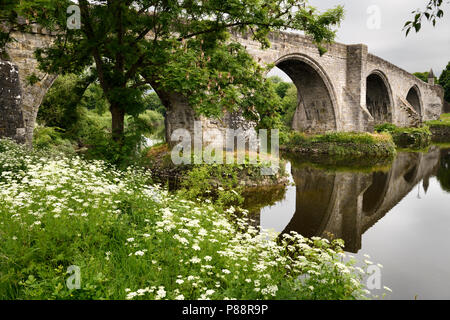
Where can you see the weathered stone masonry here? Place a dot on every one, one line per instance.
(21, 55)
(11, 117)
(346, 89)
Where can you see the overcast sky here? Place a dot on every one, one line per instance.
(430, 48)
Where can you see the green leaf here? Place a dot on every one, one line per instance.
(417, 27)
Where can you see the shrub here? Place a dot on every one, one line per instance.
(414, 138)
(218, 182)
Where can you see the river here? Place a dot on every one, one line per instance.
(397, 213)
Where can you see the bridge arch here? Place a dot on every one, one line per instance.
(379, 100)
(317, 110)
(414, 98)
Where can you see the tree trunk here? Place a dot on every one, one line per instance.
(118, 117)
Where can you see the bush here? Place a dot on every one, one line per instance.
(51, 138)
(413, 138)
(218, 182)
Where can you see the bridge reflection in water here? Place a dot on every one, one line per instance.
(341, 203)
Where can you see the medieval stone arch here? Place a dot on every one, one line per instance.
(317, 104)
(379, 99)
(414, 98)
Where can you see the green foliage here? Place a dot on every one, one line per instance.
(350, 144)
(289, 105)
(133, 240)
(51, 137)
(218, 182)
(93, 99)
(432, 13)
(77, 114)
(444, 81)
(386, 127)
(191, 52)
(287, 102)
(96, 135)
(412, 138)
(424, 76)
(281, 87)
(66, 103)
(56, 109)
(153, 102)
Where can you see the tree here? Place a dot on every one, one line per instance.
(290, 103)
(154, 103)
(424, 76)
(281, 87)
(57, 109)
(443, 174)
(180, 47)
(432, 13)
(287, 93)
(65, 103)
(444, 81)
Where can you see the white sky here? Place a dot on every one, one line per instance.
(430, 48)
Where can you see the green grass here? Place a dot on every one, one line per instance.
(341, 144)
(440, 128)
(132, 239)
(444, 121)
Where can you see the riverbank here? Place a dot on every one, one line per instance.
(158, 161)
(408, 137)
(440, 128)
(131, 239)
(341, 144)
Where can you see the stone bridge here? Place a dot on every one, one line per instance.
(346, 89)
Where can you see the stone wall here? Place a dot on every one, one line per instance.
(11, 117)
(21, 54)
(400, 83)
(440, 132)
(213, 132)
(344, 70)
(446, 107)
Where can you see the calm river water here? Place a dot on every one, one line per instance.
(397, 213)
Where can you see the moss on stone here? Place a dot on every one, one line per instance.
(407, 137)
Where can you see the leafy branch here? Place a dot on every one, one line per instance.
(432, 13)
